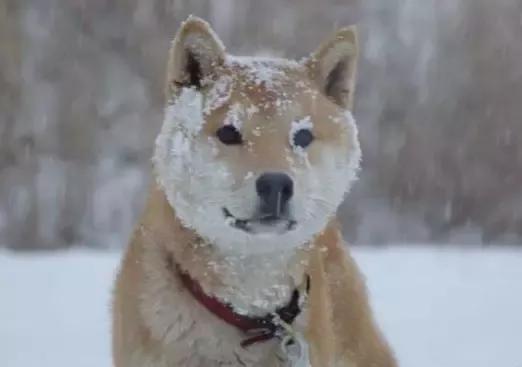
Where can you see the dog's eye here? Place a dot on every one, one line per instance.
(303, 138)
(229, 135)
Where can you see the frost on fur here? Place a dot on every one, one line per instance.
(218, 95)
(183, 121)
(234, 116)
(262, 71)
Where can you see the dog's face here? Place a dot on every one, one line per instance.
(256, 155)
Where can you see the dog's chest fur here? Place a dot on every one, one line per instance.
(191, 335)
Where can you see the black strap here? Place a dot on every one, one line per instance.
(266, 328)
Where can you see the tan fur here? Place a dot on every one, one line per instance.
(341, 330)
(157, 323)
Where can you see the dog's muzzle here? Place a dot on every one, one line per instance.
(274, 191)
(261, 224)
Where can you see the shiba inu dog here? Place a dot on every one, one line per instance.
(238, 259)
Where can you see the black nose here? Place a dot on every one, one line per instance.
(274, 190)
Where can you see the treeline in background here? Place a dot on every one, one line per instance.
(439, 105)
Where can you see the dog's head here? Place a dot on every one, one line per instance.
(256, 154)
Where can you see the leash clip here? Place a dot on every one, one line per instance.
(293, 347)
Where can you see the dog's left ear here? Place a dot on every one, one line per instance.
(196, 51)
(333, 66)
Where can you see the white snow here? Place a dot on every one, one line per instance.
(233, 116)
(265, 71)
(186, 111)
(54, 309)
(448, 308)
(218, 95)
(439, 307)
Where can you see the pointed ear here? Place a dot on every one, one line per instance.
(334, 65)
(196, 51)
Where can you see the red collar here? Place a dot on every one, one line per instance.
(258, 329)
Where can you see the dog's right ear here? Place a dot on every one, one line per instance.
(334, 64)
(196, 51)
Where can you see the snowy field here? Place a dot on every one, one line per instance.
(439, 308)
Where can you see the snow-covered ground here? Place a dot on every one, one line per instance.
(438, 307)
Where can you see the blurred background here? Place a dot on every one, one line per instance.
(438, 104)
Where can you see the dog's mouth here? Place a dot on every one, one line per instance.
(261, 224)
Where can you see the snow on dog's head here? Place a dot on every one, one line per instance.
(256, 154)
